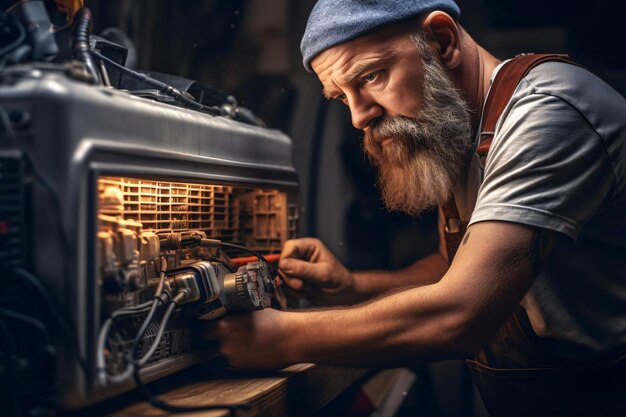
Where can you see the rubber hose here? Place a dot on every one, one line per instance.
(80, 44)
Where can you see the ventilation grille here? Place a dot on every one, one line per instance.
(256, 218)
(13, 233)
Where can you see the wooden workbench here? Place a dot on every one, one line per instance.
(300, 390)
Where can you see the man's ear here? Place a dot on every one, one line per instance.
(444, 37)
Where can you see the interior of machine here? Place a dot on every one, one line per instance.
(147, 226)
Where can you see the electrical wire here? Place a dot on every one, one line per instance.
(162, 87)
(31, 321)
(135, 364)
(149, 317)
(58, 318)
(225, 264)
(140, 363)
(46, 369)
(20, 38)
(246, 250)
(150, 306)
(80, 43)
(261, 258)
(180, 296)
(171, 408)
(104, 335)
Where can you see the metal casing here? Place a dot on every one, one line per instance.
(69, 134)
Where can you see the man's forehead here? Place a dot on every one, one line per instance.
(369, 47)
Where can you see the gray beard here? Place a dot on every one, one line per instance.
(419, 167)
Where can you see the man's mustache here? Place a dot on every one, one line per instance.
(404, 131)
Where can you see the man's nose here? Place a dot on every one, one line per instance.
(363, 110)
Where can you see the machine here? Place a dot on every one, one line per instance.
(129, 209)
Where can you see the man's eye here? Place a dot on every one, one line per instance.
(341, 97)
(371, 77)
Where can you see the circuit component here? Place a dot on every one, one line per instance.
(157, 240)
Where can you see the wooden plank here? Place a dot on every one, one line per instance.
(300, 390)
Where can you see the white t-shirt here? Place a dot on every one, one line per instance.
(558, 162)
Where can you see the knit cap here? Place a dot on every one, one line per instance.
(337, 21)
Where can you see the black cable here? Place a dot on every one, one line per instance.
(58, 318)
(80, 42)
(261, 258)
(46, 370)
(246, 250)
(226, 265)
(162, 87)
(155, 401)
(31, 321)
(20, 38)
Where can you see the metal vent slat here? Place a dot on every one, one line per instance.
(12, 211)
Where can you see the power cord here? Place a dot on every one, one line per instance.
(52, 308)
(156, 402)
(41, 394)
(246, 250)
(20, 37)
(162, 87)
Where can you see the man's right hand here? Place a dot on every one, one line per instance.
(307, 264)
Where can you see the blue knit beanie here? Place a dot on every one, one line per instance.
(337, 21)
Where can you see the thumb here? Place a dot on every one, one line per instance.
(313, 273)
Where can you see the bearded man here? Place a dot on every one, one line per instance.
(536, 293)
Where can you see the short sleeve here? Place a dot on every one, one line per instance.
(547, 167)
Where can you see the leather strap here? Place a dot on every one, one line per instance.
(502, 88)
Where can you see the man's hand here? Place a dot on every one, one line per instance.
(308, 263)
(253, 341)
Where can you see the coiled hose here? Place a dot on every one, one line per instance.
(80, 44)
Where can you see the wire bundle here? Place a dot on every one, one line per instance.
(135, 365)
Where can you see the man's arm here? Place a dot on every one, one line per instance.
(306, 264)
(492, 271)
(426, 271)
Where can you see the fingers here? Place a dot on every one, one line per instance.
(294, 283)
(303, 248)
(319, 274)
(295, 267)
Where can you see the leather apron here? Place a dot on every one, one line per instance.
(517, 377)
